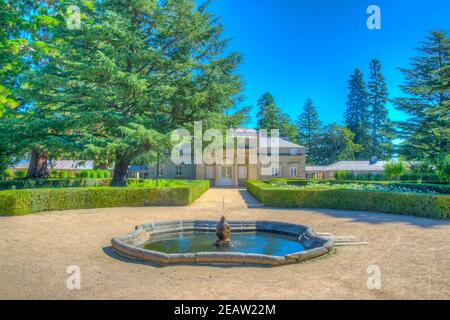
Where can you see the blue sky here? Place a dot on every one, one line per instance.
(297, 49)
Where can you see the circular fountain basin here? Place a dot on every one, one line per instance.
(252, 242)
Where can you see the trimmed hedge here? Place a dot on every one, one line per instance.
(415, 204)
(439, 188)
(22, 202)
(52, 183)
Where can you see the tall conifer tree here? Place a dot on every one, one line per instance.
(357, 113)
(309, 128)
(380, 144)
(135, 71)
(426, 132)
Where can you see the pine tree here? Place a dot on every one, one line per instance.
(309, 128)
(268, 116)
(357, 113)
(137, 70)
(24, 50)
(426, 132)
(288, 129)
(271, 117)
(381, 128)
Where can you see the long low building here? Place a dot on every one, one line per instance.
(351, 167)
(59, 165)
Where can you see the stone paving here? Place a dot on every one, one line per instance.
(412, 253)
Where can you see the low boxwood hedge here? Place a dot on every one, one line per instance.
(21, 202)
(19, 184)
(415, 204)
(439, 188)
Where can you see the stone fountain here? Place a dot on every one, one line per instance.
(223, 231)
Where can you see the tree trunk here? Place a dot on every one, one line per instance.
(38, 168)
(120, 175)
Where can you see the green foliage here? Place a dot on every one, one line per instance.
(271, 117)
(309, 129)
(84, 174)
(381, 130)
(395, 169)
(278, 181)
(341, 175)
(336, 144)
(52, 183)
(443, 168)
(411, 186)
(54, 174)
(21, 202)
(426, 132)
(137, 70)
(20, 174)
(63, 175)
(8, 173)
(357, 112)
(422, 168)
(422, 205)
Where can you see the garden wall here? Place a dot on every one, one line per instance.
(415, 204)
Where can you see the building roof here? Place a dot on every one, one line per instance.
(253, 134)
(364, 166)
(61, 164)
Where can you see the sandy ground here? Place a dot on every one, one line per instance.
(35, 251)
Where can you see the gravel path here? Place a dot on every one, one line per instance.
(35, 251)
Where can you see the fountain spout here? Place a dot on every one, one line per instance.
(223, 231)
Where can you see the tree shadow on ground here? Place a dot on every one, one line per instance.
(374, 217)
(250, 200)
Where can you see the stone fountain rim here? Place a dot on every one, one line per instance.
(128, 245)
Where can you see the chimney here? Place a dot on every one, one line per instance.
(373, 160)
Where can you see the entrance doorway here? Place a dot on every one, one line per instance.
(226, 176)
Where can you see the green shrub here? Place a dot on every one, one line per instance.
(341, 175)
(84, 174)
(92, 174)
(53, 183)
(395, 169)
(63, 175)
(422, 205)
(105, 174)
(54, 174)
(278, 181)
(443, 168)
(423, 187)
(21, 174)
(23, 202)
(71, 175)
(8, 174)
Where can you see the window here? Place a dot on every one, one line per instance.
(179, 171)
(275, 171)
(294, 152)
(161, 172)
(209, 172)
(293, 171)
(242, 170)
